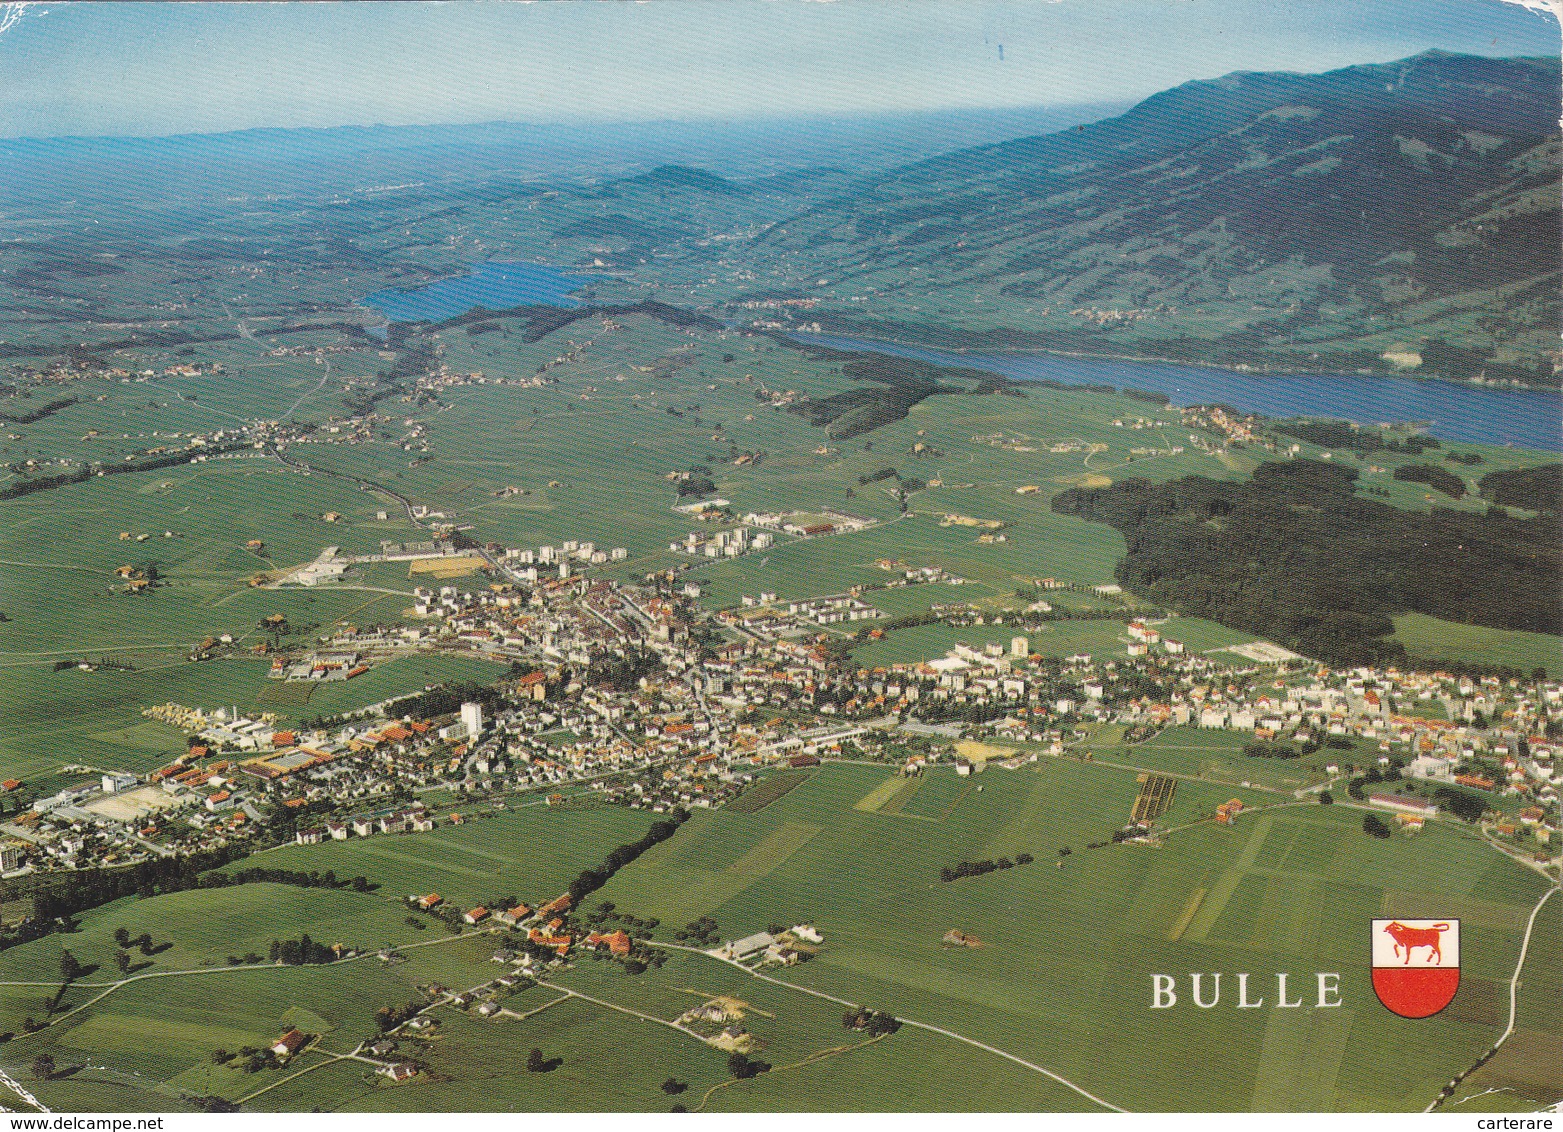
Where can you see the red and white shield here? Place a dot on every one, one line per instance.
(1416, 965)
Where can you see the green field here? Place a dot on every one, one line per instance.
(565, 445)
(532, 851)
(1290, 890)
(205, 926)
(1435, 639)
(763, 793)
(1061, 979)
(1069, 941)
(1217, 756)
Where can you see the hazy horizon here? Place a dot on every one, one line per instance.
(162, 69)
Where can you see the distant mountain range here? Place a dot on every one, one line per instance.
(1407, 209)
(1397, 216)
(318, 162)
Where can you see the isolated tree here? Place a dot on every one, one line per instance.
(122, 937)
(122, 961)
(672, 1086)
(43, 1067)
(535, 1062)
(69, 967)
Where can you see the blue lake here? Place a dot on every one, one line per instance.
(494, 286)
(1524, 418)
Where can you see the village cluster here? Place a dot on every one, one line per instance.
(629, 693)
(633, 694)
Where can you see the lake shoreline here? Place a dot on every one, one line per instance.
(494, 283)
(1237, 368)
(1455, 411)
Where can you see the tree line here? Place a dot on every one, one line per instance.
(1270, 750)
(591, 879)
(68, 894)
(980, 868)
(1344, 434)
(299, 952)
(445, 700)
(85, 472)
(257, 875)
(1439, 479)
(47, 409)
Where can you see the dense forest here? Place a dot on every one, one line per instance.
(1439, 479)
(1344, 434)
(1295, 556)
(1535, 489)
(20, 487)
(900, 383)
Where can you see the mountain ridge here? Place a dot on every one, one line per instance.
(1266, 217)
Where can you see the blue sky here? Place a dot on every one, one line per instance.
(127, 68)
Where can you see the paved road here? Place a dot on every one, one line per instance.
(1514, 982)
(370, 484)
(621, 1009)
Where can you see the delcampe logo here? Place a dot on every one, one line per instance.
(1416, 965)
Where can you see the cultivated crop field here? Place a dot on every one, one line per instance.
(1288, 889)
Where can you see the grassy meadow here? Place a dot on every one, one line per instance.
(1290, 888)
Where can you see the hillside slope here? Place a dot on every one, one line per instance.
(1408, 208)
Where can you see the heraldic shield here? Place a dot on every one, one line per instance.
(1416, 965)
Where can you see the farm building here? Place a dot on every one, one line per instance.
(1403, 804)
(749, 946)
(289, 1043)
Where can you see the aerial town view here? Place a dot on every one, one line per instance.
(881, 556)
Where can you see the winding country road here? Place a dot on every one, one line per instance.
(906, 1022)
(1514, 986)
(300, 465)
